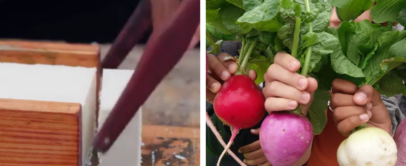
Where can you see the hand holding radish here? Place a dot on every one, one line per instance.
(221, 68)
(253, 153)
(354, 106)
(284, 88)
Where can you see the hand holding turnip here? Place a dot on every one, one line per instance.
(253, 152)
(355, 106)
(221, 68)
(286, 137)
(352, 107)
(284, 88)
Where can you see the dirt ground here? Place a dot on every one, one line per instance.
(175, 102)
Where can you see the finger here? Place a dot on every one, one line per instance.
(347, 125)
(287, 61)
(279, 104)
(212, 84)
(367, 94)
(257, 161)
(252, 74)
(217, 68)
(250, 147)
(230, 65)
(278, 89)
(340, 100)
(277, 72)
(312, 85)
(265, 164)
(341, 113)
(343, 86)
(255, 131)
(254, 155)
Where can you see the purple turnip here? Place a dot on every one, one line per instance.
(285, 137)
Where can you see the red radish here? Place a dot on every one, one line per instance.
(285, 137)
(239, 104)
(400, 139)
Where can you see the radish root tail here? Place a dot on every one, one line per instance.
(218, 136)
(230, 142)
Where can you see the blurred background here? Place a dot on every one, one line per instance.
(171, 114)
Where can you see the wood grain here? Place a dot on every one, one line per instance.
(51, 53)
(39, 133)
(168, 145)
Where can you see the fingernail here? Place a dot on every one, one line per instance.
(225, 75)
(302, 82)
(292, 104)
(214, 86)
(369, 113)
(360, 96)
(252, 130)
(364, 117)
(294, 64)
(232, 67)
(369, 106)
(305, 96)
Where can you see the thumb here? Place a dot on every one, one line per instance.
(255, 131)
(367, 94)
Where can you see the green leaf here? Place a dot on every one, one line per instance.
(387, 10)
(237, 3)
(402, 17)
(339, 3)
(332, 30)
(267, 37)
(215, 4)
(264, 12)
(309, 39)
(251, 4)
(352, 10)
(352, 35)
(213, 18)
(326, 45)
(391, 84)
(229, 15)
(317, 111)
(272, 25)
(373, 70)
(342, 65)
(260, 69)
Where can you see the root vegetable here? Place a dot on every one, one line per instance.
(285, 137)
(400, 139)
(369, 146)
(239, 104)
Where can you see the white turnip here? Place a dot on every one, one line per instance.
(369, 146)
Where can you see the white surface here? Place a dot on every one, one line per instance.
(54, 83)
(126, 151)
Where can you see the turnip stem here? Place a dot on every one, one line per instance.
(308, 54)
(296, 37)
(218, 136)
(233, 134)
(242, 51)
(247, 56)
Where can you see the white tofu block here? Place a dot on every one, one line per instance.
(126, 151)
(55, 83)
